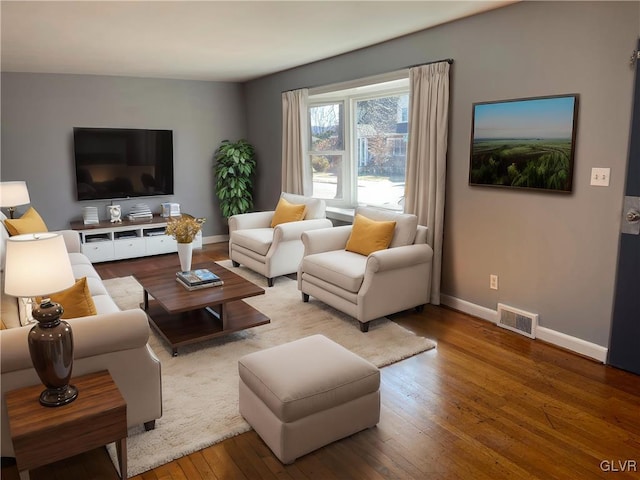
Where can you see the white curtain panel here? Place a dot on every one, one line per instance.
(294, 133)
(427, 157)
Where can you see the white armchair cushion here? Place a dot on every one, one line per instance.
(340, 267)
(286, 232)
(406, 224)
(398, 258)
(245, 221)
(326, 239)
(257, 240)
(316, 208)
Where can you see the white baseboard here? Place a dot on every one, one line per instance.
(469, 308)
(553, 337)
(215, 239)
(577, 345)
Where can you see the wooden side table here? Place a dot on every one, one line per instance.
(43, 435)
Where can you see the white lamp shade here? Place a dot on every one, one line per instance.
(37, 265)
(13, 194)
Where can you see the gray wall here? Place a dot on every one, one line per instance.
(555, 254)
(40, 111)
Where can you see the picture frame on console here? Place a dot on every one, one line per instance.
(526, 143)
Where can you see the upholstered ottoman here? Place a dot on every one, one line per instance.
(305, 394)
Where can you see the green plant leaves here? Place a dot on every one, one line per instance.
(235, 165)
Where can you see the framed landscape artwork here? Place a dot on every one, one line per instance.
(525, 143)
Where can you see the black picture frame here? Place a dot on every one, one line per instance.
(525, 143)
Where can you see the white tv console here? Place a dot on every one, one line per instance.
(106, 241)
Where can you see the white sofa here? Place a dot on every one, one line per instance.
(368, 287)
(277, 251)
(112, 340)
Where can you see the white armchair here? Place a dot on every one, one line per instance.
(368, 287)
(273, 251)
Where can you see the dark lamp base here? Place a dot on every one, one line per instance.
(55, 397)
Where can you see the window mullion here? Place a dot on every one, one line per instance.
(353, 154)
(381, 135)
(325, 152)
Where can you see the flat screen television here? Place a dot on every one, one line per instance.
(115, 163)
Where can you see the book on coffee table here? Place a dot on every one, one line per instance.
(199, 277)
(198, 287)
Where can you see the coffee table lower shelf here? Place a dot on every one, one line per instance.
(185, 328)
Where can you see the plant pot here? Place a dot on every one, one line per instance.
(185, 252)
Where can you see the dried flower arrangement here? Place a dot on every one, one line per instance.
(184, 228)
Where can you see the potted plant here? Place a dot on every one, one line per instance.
(235, 164)
(184, 229)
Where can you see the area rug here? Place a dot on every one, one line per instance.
(200, 385)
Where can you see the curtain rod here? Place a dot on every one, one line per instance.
(448, 60)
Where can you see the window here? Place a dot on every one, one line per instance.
(326, 122)
(358, 145)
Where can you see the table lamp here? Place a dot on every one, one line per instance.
(13, 194)
(37, 265)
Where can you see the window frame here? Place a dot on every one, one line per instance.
(349, 97)
(343, 153)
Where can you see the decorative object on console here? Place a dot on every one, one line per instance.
(90, 215)
(235, 163)
(184, 229)
(140, 211)
(526, 143)
(38, 265)
(170, 209)
(13, 194)
(115, 213)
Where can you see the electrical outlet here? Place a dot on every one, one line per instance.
(600, 176)
(493, 282)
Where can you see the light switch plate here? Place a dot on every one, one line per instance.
(600, 176)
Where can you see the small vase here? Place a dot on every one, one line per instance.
(185, 251)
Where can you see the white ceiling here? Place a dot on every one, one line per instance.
(205, 40)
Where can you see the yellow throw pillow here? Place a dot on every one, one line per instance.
(288, 212)
(30, 222)
(76, 300)
(368, 236)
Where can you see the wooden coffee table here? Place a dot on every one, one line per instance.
(183, 317)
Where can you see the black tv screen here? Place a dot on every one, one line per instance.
(122, 162)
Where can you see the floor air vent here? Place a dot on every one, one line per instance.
(517, 320)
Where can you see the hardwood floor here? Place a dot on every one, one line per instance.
(485, 404)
